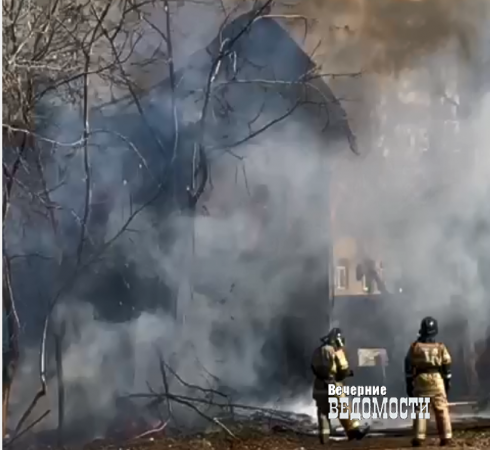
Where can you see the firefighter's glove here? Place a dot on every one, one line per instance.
(409, 386)
(447, 384)
(343, 374)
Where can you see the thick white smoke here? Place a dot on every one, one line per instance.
(235, 271)
(418, 197)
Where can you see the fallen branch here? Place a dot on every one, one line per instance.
(32, 425)
(204, 416)
(193, 386)
(154, 430)
(186, 398)
(215, 420)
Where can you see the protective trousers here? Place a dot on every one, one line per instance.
(438, 404)
(324, 424)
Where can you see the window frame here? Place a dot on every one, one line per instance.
(342, 266)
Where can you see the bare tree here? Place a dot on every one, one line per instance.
(54, 53)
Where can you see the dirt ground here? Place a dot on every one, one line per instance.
(478, 439)
(470, 433)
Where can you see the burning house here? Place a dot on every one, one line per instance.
(265, 78)
(256, 75)
(249, 91)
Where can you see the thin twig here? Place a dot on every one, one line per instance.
(200, 413)
(86, 134)
(171, 68)
(165, 381)
(61, 385)
(11, 358)
(224, 52)
(193, 386)
(261, 129)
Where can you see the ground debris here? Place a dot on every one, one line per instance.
(253, 439)
(276, 430)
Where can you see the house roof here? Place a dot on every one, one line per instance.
(262, 60)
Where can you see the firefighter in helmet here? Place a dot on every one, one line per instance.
(330, 366)
(428, 374)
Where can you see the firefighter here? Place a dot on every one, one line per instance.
(330, 366)
(428, 374)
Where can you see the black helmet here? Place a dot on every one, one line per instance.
(428, 327)
(334, 337)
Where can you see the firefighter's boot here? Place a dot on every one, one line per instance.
(358, 433)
